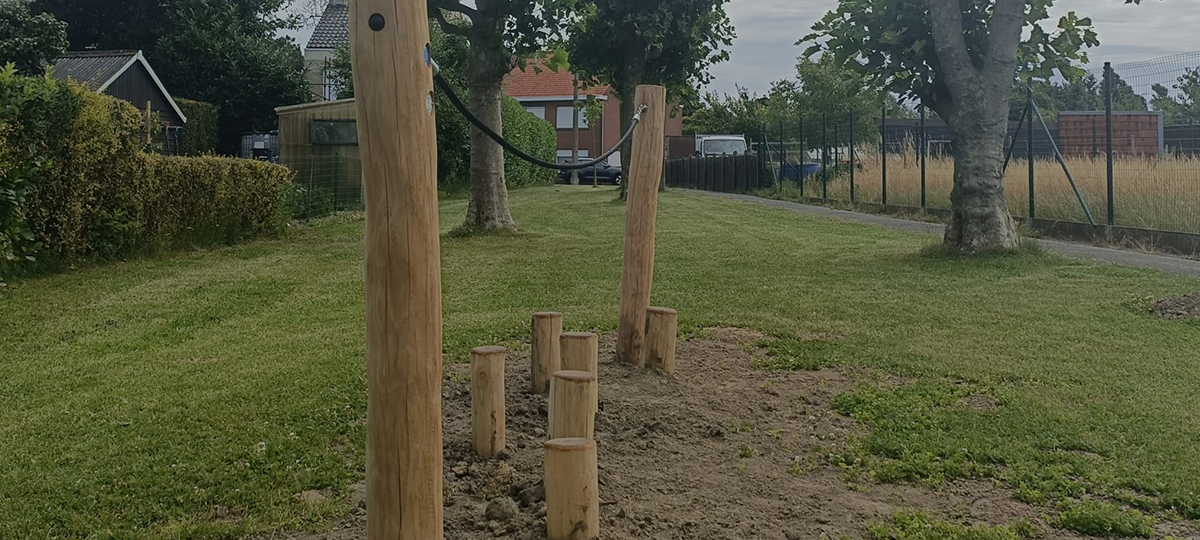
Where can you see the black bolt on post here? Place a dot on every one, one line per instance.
(1029, 148)
(1108, 135)
(851, 155)
(883, 150)
(824, 156)
(922, 153)
(803, 155)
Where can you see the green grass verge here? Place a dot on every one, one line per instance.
(922, 526)
(192, 396)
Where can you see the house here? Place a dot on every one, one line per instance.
(128, 76)
(332, 31)
(548, 94)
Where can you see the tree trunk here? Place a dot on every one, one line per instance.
(488, 207)
(628, 109)
(980, 220)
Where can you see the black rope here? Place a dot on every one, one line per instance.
(458, 104)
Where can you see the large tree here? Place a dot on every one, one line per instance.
(960, 58)
(502, 35)
(29, 40)
(626, 43)
(1183, 105)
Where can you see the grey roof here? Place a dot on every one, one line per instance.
(334, 27)
(92, 69)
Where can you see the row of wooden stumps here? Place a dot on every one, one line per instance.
(393, 78)
(567, 366)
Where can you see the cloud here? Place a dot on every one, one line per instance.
(767, 30)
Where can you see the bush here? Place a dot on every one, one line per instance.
(86, 189)
(533, 135)
(199, 136)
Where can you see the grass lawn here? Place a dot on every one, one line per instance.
(193, 396)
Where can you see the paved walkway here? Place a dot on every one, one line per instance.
(1135, 259)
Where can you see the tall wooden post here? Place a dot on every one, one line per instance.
(487, 400)
(393, 78)
(544, 352)
(662, 327)
(640, 210)
(572, 490)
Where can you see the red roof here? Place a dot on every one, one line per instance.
(537, 81)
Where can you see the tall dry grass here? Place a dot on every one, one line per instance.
(1150, 192)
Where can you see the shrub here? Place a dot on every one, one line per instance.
(533, 135)
(77, 184)
(199, 136)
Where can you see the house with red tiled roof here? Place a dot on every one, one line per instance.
(548, 95)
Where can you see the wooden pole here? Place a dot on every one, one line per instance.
(487, 400)
(572, 490)
(645, 172)
(662, 326)
(545, 355)
(149, 117)
(581, 352)
(572, 405)
(393, 78)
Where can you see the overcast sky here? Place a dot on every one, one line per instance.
(767, 31)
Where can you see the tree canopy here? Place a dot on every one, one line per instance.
(30, 40)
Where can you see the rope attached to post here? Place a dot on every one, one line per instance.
(458, 104)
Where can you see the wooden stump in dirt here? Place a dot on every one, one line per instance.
(572, 490)
(662, 326)
(581, 352)
(572, 411)
(645, 173)
(544, 355)
(487, 400)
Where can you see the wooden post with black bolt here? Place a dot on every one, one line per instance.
(487, 400)
(572, 411)
(662, 326)
(544, 352)
(393, 79)
(645, 173)
(572, 490)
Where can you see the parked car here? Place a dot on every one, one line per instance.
(603, 173)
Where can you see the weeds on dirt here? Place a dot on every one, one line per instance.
(922, 526)
(1099, 518)
(790, 354)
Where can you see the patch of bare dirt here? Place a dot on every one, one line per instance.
(1178, 308)
(717, 451)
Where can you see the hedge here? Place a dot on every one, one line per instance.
(199, 136)
(99, 195)
(533, 135)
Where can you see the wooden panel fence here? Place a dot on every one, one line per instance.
(729, 174)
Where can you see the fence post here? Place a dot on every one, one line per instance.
(782, 151)
(803, 154)
(1029, 150)
(851, 155)
(1095, 140)
(824, 156)
(337, 180)
(1192, 131)
(308, 195)
(921, 152)
(1108, 134)
(883, 150)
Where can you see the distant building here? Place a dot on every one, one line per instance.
(333, 31)
(548, 94)
(128, 76)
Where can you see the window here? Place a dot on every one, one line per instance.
(564, 118)
(564, 156)
(334, 132)
(539, 112)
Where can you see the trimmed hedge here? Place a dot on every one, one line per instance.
(533, 135)
(199, 136)
(100, 195)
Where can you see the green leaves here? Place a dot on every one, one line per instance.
(28, 40)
